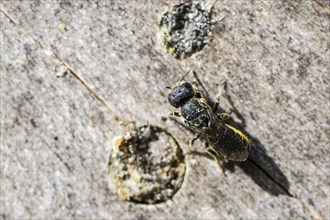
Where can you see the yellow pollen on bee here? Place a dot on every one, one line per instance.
(171, 50)
(202, 100)
(168, 38)
(118, 142)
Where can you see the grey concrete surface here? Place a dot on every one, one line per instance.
(69, 67)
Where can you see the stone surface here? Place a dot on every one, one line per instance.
(68, 68)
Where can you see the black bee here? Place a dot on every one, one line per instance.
(221, 138)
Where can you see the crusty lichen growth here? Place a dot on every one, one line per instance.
(186, 28)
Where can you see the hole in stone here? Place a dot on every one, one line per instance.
(146, 166)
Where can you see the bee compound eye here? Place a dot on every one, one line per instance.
(172, 98)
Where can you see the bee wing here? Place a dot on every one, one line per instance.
(228, 141)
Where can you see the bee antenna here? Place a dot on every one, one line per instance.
(181, 79)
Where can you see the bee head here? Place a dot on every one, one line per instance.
(181, 94)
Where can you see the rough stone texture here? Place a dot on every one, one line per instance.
(67, 67)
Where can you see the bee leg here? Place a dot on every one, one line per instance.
(224, 116)
(131, 125)
(191, 148)
(221, 116)
(177, 114)
(216, 156)
(216, 105)
(198, 94)
(193, 140)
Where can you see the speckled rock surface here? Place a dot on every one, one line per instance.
(67, 68)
